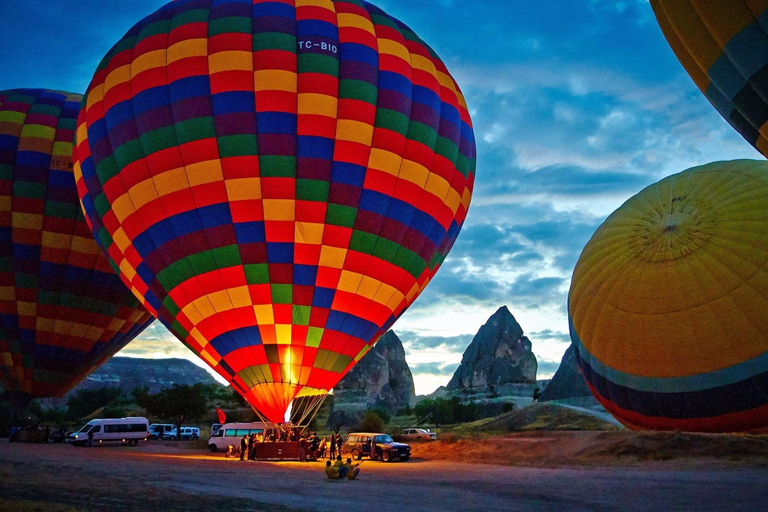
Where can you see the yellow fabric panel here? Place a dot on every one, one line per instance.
(56, 240)
(283, 332)
(13, 117)
(383, 160)
(413, 172)
(452, 200)
(232, 60)
(354, 131)
(680, 269)
(349, 281)
(725, 18)
(437, 185)
(121, 239)
(169, 182)
(264, 314)
(332, 257)
(275, 80)
(204, 172)
(95, 95)
(279, 209)
(240, 296)
(307, 391)
(142, 193)
(390, 47)
(26, 308)
(355, 21)
(368, 287)
(317, 104)
(242, 189)
(117, 77)
(5, 203)
(424, 64)
(325, 4)
(7, 293)
(187, 48)
(38, 131)
(129, 272)
(387, 295)
(27, 221)
(220, 300)
(309, 233)
(84, 245)
(149, 60)
(63, 150)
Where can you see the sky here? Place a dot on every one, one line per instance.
(577, 105)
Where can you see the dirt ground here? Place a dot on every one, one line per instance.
(590, 475)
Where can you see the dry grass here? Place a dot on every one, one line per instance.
(607, 448)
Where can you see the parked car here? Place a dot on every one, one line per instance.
(358, 445)
(186, 433)
(160, 430)
(418, 434)
(128, 431)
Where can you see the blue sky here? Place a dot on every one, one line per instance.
(577, 105)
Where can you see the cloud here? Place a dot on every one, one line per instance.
(435, 369)
(547, 368)
(414, 341)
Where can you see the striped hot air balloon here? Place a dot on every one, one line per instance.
(276, 181)
(669, 303)
(723, 45)
(63, 310)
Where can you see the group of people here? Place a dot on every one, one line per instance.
(340, 470)
(310, 447)
(248, 446)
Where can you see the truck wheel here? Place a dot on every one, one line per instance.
(356, 455)
(385, 457)
(213, 448)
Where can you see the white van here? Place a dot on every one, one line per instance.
(121, 430)
(186, 433)
(231, 433)
(156, 429)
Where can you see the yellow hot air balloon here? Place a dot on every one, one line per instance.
(668, 305)
(723, 46)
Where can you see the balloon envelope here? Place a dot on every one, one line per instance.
(669, 303)
(63, 310)
(276, 181)
(723, 46)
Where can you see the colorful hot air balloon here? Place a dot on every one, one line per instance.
(277, 181)
(724, 47)
(669, 303)
(63, 310)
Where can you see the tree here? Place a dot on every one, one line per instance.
(371, 422)
(86, 401)
(177, 404)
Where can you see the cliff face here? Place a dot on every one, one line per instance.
(499, 355)
(567, 381)
(381, 379)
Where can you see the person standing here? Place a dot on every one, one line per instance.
(374, 455)
(333, 447)
(338, 445)
(302, 450)
(323, 447)
(243, 446)
(252, 447)
(90, 437)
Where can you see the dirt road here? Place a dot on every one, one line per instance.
(156, 476)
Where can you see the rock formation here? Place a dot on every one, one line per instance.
(381, 379)
(499, 356)
(567, 381)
